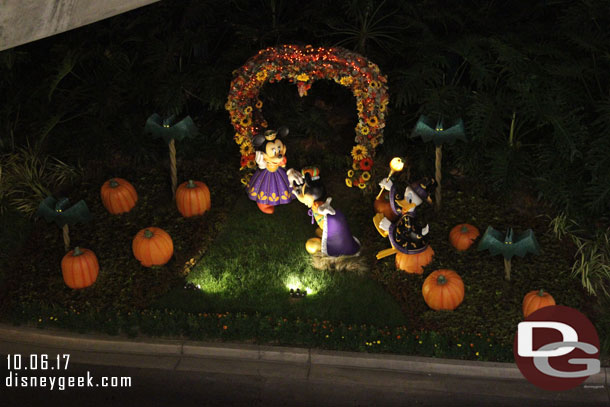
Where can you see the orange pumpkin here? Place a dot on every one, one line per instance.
(463, 236)
(414, 263)
(382, 205)
(118, 196)
(193, 198)
(443, 290)
(79, 268)
(536, 299)
(152, 247)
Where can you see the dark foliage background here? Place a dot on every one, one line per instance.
(86, 93)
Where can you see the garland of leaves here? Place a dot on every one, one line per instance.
(303, 66)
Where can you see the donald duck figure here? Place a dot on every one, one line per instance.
(406, 235)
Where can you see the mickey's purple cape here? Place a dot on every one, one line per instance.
(337, 240)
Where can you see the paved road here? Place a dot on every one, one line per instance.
(179, 388)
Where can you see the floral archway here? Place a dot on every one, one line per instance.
(303, 66)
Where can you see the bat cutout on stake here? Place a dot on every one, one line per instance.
(437, 132)
(509, 245)
(60, 212)
(429, 131)
(170, 132)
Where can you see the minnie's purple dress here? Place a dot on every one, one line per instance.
(270, 188)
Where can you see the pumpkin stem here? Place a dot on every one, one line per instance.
(191, 184)
(112, 183)
(541, 293)
(441, 279)
(148, 234)
(77, 251)
(464, 229)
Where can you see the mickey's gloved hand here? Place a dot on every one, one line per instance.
(294, 177)
(326, 209)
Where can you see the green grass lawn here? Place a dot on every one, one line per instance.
(257, 257)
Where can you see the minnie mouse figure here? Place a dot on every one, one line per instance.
(271, 183)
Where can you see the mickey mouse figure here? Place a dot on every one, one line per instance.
(335, 237)
(406, 235)
(270, 185)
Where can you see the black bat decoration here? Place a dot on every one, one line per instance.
(167, 130)
(507, 244)
(431, 131)
(60, 211)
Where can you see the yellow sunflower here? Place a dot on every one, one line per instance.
(348, 182)
(382, 108)
(259, 104)
(362, 185)
(365, 130)
(359, 152)
(246, 148)
(346, 80)
(375, 85)
(248, 110)
(261, 75)
(360, 106)
(303, 77)
(355, 166)
(374, 142)
(229, 106)
(238, 138)
(246, 121)
(372, 121)
(350, 173)
(366, 175)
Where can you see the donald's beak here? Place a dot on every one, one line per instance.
(405, 205)
(429, 200)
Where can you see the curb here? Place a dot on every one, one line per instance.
(378, 370)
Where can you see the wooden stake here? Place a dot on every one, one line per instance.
(172, 166)
(438, 176)
(507, 269)
(66, 233)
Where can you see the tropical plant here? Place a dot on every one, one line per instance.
(27, 176)
(592, 257)
(366, 23)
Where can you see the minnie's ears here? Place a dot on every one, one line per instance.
(258, 140)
